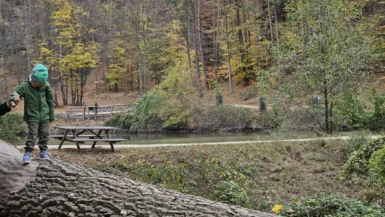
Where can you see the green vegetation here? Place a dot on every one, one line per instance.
(12, 127)
(255, 176)
(327, 55)
(358, 161)
(330, 205)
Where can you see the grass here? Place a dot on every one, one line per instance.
(269, 173)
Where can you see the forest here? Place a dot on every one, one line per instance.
(297, 49)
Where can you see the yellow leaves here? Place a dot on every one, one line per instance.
(118, 56)
(47, 56)
(64, 20)
(80, 57)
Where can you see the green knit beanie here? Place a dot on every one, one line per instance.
(39, 74)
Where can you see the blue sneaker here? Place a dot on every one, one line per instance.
(27, 157)
(44, 154)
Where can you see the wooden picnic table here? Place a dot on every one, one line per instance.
(77, 134)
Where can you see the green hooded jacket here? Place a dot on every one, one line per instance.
(38, 102)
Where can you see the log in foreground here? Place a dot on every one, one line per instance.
(59, 188)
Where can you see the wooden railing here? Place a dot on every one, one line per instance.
(104, 111)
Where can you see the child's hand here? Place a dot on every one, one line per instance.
(14, 99)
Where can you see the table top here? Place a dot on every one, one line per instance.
(85, 128)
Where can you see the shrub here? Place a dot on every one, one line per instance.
(122, 120)
(376, 177)
(300, 119)
(229, 191)
(329, 206)
(377, 164)
(12, 127)
(144, 117)
(251, 93)
(359, 160)
(377, 119)
(356, 115)
(353, 112)
(203, 176)
(225, 117)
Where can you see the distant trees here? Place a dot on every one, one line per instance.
(129, 45)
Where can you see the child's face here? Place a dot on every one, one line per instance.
(36, 84)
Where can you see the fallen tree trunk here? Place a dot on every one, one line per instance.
(53, 188)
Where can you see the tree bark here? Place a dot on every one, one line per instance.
(56, 188)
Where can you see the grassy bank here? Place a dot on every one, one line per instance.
(254, 176)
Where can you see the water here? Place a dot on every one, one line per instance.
(182, 138)
(185, 138)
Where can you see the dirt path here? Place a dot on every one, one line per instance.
(103, 145)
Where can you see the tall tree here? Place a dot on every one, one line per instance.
(202, 45)
(195, 38)
(328, 54)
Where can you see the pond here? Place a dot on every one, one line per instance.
(185, 138)
(182, 138)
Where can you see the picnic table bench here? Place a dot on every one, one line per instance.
(76, 134)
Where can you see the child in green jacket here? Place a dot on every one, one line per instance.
(38, 110)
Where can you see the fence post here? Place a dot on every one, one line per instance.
(262, 104)
(84, 113)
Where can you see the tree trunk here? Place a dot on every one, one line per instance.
(228, 49)
(188, 41)
(326, 103)
(201, 43)
(270, 22)
(73, 94)
(276, 24)
(55, 188)
(145, 40)
(28, 36)
(215, 38)
(198, 73)
(240, 34)
(96, 83)
(63, 81)
(139, 53)
(331, 118)
(56, 101)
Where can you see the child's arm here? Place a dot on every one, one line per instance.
(50, 103)
(21, 90)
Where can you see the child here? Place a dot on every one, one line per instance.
(38, 110)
